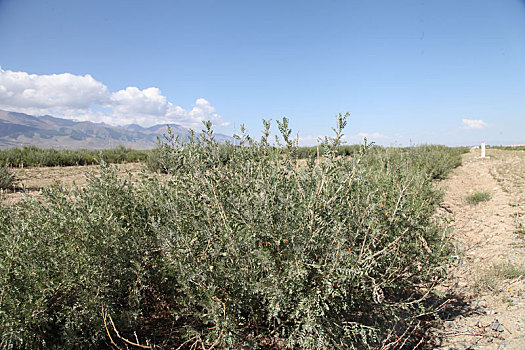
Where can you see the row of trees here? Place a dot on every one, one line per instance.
(34, 156)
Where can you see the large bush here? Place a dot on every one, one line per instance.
(255, 250)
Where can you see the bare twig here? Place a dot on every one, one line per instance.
(388, 246)
(105, 315)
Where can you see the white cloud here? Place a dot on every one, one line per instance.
(133, 102)
(374, 135)
(55, 91)
(474, 124)
(84, 98)
(310, 140)
(202, 110)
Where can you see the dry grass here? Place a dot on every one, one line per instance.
(510, 175)
(493, 277)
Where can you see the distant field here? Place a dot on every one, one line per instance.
(34, 156)
(509, 148)
(32, 180)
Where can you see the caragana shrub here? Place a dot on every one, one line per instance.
(254, 249)
(67, 258)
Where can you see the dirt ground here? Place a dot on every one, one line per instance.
(487, 278)
(29, 181)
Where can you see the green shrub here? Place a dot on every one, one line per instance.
(34, 156)
(68, 256)
(509, 148)
(159, 158)
(6, 177)
(478, 197)
(308, 152)
(435, 160)
(248, 249)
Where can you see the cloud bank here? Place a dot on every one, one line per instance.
(84, 98)
(474, 124)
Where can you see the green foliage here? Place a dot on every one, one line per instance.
(235, 246)
(435, 160)
(478, 197)
(6, 177)
(66, 258)
(308, 152)
(509, 148)
(34, 156)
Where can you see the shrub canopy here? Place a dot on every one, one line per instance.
(258, 249)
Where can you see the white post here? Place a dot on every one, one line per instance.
(483, 149)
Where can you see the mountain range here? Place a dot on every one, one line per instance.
(19, 129)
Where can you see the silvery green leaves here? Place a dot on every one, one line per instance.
(297, 248)
(233, 245)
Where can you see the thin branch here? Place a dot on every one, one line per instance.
(106, 314)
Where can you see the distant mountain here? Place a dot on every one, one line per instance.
(19, 129)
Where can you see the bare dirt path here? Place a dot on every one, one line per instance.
(488, 275)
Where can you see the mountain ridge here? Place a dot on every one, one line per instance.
(20, 129)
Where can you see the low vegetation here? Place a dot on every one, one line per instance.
(478, 197)
(244, 248)
(510, 148)
(34, 156)
(510, 174)
(492, 277)
(6, 177)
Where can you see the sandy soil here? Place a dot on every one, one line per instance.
(29, 181)
(487, 278)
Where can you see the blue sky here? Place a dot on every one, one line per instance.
(447, 72)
